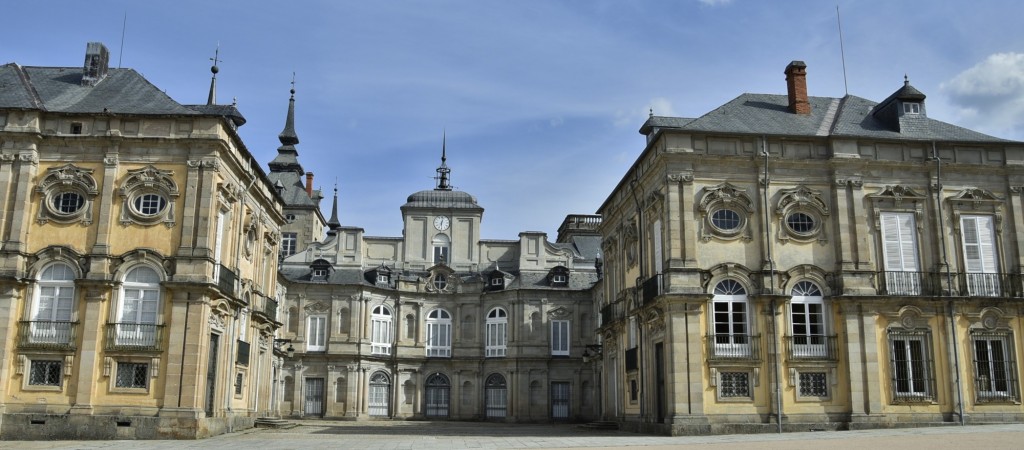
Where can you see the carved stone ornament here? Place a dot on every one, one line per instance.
(67, 195)
(317, 307)
(148, 196)
(560, 312)
(801, 212)
(631, 241)
(897, 195)
(681, 177)
(442, 280)
(216, 321)
(7, 158)
(725, 211)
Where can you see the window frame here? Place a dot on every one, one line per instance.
(900, 252)
(987, 389)
(381, 330)
(806, 295)
(144, 367)
(561, 337)
(316, 333)
(496, 333)
(142, 330)
(439, 334)
(737, 339)
(917, 377)
(48, 365)
(982, 272)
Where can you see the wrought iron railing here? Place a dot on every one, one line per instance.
(242, 358)
(226, 280)
(734, 347)
(134, 336)
(813, 347)
(613, 312)
(651, 288)
(270, 308)
(47, 334)
(907, 283)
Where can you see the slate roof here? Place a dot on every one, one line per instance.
(442, 199)
(294, 192)
(849, 116)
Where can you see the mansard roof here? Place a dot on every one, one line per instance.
(849, 116)
(437, 198)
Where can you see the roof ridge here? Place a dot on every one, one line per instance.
(26, 82)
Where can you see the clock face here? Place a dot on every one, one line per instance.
(442, 223)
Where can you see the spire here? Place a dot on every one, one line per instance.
(443, 171)
(288, 136)
(212, 99)
(334, 224)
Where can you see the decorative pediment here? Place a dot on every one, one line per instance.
(68, 194)
(976, 200)
(725, 195)
(442, 280)
(898, 194)
(801, 197)
(560, 312)
(317, 307)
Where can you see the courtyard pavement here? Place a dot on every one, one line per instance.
(458, 435)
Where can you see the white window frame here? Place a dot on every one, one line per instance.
(496, 330)
(900, 253)
(995, 369)
(911, 108)
(981, 260)
(917, 378)
(729, 301)
(560, 338)
(316, 333)
(442, 249)
(138, 316)
(289, 243)
(53, 305)
(439, 334)
(381, 329)
(807, 311)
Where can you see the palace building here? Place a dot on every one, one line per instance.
(790, 262)
(138, 259)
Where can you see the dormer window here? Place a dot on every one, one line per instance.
(382, 278)
(497, 282)
(911, 108)
(559, 276)
(559, 279)
(320, 270)
(76, 127)
(319, 273)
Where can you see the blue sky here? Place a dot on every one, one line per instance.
(541, 100)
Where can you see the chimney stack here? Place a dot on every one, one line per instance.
(309, 184)
(796, 85)
(97, 61)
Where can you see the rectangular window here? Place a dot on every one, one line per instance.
(911, 359)
(813, 384)
(631, 337)
(132, 375)
(994, 366)
(808, 321)
(45, 373)
(559, 279)
(316, 332)
(289, 242)
(912, 108)
(731, 338)
(440, 254)
(238, 383)
(734, 384)
(439, 342)
(980, 262)
(560, 337)
(496, 332)
(380, 336)
(76, 127)
(899, 249)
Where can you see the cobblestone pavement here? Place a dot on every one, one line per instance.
(458, 435)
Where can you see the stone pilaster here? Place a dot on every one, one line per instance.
(27, 168)
(87, 364)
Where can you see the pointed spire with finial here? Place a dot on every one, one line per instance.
(906, 80)
(443, 184)
(334, 224)
(287, 156)
(212, 98)
(288, 136)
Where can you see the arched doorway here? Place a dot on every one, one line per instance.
(380, 395)
(496, 397)
(438, 396)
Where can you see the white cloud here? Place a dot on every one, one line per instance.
(659, 106)
(990, 95)
(716, 2)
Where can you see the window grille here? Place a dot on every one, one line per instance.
(45, 373)
(132, 375)
(813, 384)
(734, 384)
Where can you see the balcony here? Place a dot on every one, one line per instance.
(134, 336)
(651, 289)
(613, 312)
(733, 347)
(242, 358)
(47, 335)
(811, 348)
(907, 283)
(982, 284)
(226, 280)
(270, 308)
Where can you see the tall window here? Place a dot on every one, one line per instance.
(441, 245)
(380, 395)
(732, 338)
(808, 321)
(439, 333)
(438, 395)
(911, 361)
(899, 248)
(140, 304)
(380, 331)
(55, 299)
(980, 262)
(316, 333)
(496, 331)
(560, 337)
(288, 243)
(994, 366)
(496, 397)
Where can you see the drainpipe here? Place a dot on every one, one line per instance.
(771, 284)
(949, 285)
(637, 294)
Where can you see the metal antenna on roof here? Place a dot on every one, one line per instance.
(124, 25)
(842, 51)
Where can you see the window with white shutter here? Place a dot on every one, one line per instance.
(899, 248)
(980, 263)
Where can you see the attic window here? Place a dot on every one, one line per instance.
(912, 108)
(558, 279)
(76, 127)
(319, 273)
(382, 278)
(497, 281)
(559, 276)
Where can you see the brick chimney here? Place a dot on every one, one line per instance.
(97, 61)
(796, 85)
(309, 184)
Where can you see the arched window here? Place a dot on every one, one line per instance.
(807, 321)
(53, 305)
(441, 245)
(380, 331)
(439, 334)
(496, 397)
(380, 395)
(438, 395)
(497, 332)
(730, 322)
(140, 306)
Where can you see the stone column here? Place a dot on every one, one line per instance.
(685, 361)
(104, 219)
(10, 295)
(89, 320)
(6, 184)
(862, 356)
(1017, 213)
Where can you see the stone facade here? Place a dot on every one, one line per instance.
(138, 261)
(793, 262)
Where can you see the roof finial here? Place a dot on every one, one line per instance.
(650, 112)
(212, 98)
(293, 85)
(443, 171)
(906, 80)
(288, 136)
(334, 224)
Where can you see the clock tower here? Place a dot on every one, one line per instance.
(442, 225)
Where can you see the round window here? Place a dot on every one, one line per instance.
(800, 223)
(68, 202)
(150, 204)
(726, 220)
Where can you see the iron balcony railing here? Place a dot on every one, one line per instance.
(813, 347)
(734, 347)
(270, 308)
(989, 284)
(907, 283)
(47, 334)
(613, 312)
(651, 288)
(242, 358)
(226, 280)
(134, 336)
